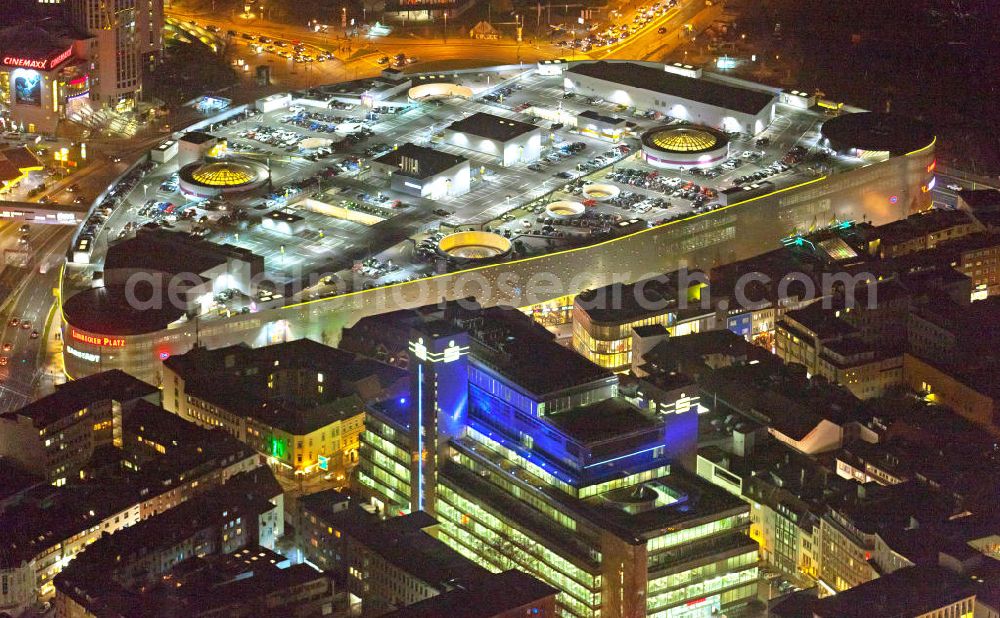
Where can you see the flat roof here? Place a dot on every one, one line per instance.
(593, 115)
(601, 421)
(823, 322)
(430, 162)
(197, 137)
(528, 355)
(492, 127)
(107, 311)
(878, 132)
(620, 303)
(33, 43)
(786, 401)
(404, 543)
(486, 598)
(910, 591)
(222, 377)
(699, 90)
(159, 250)
(980, 198)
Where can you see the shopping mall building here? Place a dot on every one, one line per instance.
(892, 183)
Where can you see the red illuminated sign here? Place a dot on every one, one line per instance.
(32, 63)
(25, 63)
(101, 340)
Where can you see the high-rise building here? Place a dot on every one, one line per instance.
(127, 31)
(439, 376)
(535, 462)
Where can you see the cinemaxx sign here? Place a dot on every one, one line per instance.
(43, 64)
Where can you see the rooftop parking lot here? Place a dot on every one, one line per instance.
(346, 221)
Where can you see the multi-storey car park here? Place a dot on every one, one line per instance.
(345, 231)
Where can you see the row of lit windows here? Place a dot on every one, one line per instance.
(690, 534)
(384, 488)
(475, 514)
(386, 446)
(702, 589)
(731, 564)
(627, 481)
(526, 496)
(516, 459)
(499, 555)
(499, 389)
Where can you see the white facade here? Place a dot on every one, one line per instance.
(273, 102)
(525, 148)
(164, 152)
(449, 183)
(729, 120)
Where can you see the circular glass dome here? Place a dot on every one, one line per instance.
(474, 245)
(224, 174)
(684, 140)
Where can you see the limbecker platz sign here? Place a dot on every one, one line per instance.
(43, 64)
(101, 340)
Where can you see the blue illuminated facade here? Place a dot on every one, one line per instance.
(574, 484)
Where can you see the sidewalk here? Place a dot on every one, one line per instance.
(50, 364)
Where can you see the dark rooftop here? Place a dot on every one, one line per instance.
(620, 303)
(75, 395)
(32, 42)
(197, 137)
(985, 199)
(921, 224)
(429, 161)
(877, 131)
(223, 378)
(776, 396)
(650, 330)
(14, 480)
(592, 115)
(20, 157)
(492, 127)
(107, 311)
(157, 250)
(908, 592)
(404, 543)
(821, 322)
(512, 344)
(604, 420)
(486, 598)
(692, 89)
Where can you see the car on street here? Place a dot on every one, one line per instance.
(8, 346)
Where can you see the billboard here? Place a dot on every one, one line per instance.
(26, 87)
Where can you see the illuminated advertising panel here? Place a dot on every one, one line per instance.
(101, 340)
(26, 87)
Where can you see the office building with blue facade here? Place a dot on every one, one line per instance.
(537, 463)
